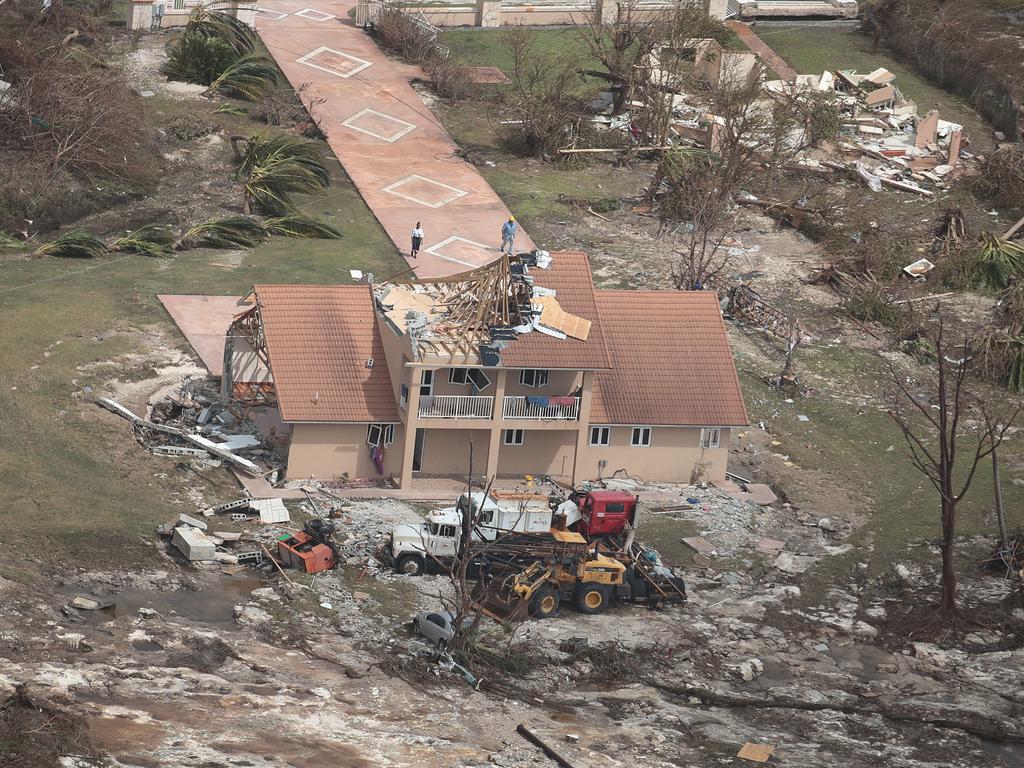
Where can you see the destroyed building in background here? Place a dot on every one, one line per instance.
(522, 359)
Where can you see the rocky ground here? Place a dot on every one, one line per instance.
(193, 667)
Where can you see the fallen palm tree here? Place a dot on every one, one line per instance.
(148, 240)
(300, 226)
(76, 244)
(275, 167)
(230, 232)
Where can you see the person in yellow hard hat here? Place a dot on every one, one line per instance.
(508, 234)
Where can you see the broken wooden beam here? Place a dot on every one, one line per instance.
(534, 739)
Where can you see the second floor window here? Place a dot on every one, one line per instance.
(426, 383)
(457, 375)
(533, 378)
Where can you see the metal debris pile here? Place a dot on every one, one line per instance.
(193, 423)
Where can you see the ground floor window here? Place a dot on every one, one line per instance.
(600, 435)
(641, 436)
(710, 437)
(513, 437)
(380, 435)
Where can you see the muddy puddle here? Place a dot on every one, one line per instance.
(1012, 755)
(213, 604)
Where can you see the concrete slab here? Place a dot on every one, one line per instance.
(399, 157)
(204, 320)
(193, 544)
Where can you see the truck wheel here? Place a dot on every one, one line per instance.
(592, 598)
(545, 603)
(411, 565)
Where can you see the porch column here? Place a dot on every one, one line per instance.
(583, 427)
(140, 14)
(488, 13)
(412, 422)
(497, 424)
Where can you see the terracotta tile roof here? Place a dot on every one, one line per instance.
(318, 340)
(569, 275)
(673, 364)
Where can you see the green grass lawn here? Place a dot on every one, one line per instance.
(486, 47)
(77, 487)
(863, 448)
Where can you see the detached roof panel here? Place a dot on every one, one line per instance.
(569, 276)
(319, 338)
(673, 364)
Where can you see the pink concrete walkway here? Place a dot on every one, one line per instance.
(400, 158)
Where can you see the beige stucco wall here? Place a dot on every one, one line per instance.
(329, 451)
(446, 451)
(672, 456)
(542, 453)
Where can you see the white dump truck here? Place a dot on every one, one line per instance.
(437, 538)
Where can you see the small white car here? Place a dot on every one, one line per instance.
(435, 626)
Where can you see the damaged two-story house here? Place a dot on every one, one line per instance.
(521, 367)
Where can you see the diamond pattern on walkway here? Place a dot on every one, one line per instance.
(334, 62)
(365, 105)
(314, 15)
(377, 124)
(424, 191)
(459, 250)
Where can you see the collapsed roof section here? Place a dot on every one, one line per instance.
(483, 317)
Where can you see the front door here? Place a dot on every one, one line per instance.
(417, 450)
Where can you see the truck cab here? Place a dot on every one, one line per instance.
(605, 513)
(437, 538)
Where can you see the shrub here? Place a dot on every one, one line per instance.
(198, 58)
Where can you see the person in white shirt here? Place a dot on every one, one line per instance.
(417, 240)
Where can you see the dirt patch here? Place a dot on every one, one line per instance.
(36, 733)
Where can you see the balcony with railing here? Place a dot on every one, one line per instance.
(564, 409)
(456, 407)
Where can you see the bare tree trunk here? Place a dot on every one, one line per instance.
(948, 599)
(1000, 516)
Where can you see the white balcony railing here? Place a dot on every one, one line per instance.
(456, 407)
(520, 408)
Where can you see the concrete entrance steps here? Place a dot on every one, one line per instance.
(400, 158)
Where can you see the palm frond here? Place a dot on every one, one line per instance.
(274, 167)
(149, 240)
(998, 261)
(261, 147)
(6, 241)
(212, 22)
(228, 108)
(230, 232)
(251, 77)
(76, 244)
(301, 226)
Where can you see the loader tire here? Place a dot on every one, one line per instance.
(592, 598)
(410, 565)
(545, 603)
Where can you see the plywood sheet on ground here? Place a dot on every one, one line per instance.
(204, 321)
